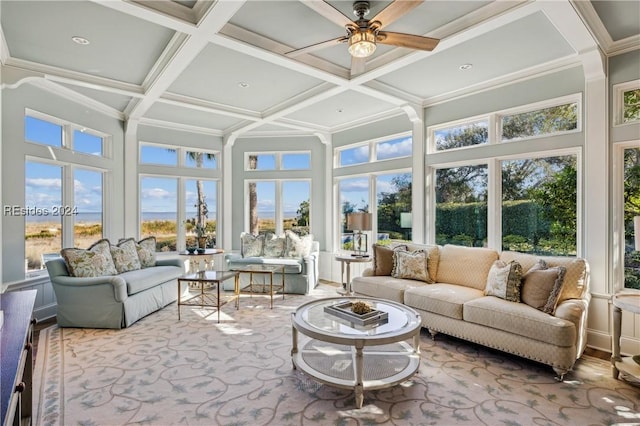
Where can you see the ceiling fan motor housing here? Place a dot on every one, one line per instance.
(361, 9)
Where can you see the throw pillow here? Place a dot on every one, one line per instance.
(410, 265)
(146, 249)
(251, 245)
(297, 246)
(274, 245)
(504, 280)
(541, 286)
(125, 256)
(95, 261)
(383, 258)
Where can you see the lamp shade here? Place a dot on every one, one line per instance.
(359, 221)
(362, 44)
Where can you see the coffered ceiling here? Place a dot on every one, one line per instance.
(221, 67)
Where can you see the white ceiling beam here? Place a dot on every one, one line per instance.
(150, 15)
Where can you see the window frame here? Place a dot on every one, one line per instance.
(278, 160)
(618, 102)
(373, 147)
(431, 132)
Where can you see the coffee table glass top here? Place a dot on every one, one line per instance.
(258, 267)
(209, 276)
(400, 318)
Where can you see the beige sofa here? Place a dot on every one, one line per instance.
(455, 302)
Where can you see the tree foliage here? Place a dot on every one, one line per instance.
(543, 121)
(392, 203)
(631, 108)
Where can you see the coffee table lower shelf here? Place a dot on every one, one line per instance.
(383, 366)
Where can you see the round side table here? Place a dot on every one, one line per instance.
(630, 364)
(346, 259)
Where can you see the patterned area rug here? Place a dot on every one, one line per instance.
(162, 371)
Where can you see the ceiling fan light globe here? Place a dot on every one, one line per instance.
(362, 44)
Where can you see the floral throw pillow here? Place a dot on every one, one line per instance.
(297, 246)
(274, 245)
(504, 280)
(146, 249)
(125, 256)
(96, 261)
(251, 245)
(410, 265)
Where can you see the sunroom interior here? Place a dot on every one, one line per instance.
(123, 110)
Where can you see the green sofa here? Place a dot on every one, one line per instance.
(113, 301)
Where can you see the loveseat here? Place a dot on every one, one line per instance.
(531, 306)
(112, 286)
(298, 254)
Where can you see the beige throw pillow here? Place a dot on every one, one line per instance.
(504, 280)
(411, 265)
(96, 261)
(383, 258)
(297, 246)
(541, 286)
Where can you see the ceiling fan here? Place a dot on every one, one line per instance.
(363, 34)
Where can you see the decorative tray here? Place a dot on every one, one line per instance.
(343, 310)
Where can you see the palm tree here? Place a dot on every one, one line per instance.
(253, 198)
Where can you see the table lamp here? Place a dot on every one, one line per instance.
(358, 222)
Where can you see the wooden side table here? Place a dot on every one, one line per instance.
(629, 364)
(346, 259)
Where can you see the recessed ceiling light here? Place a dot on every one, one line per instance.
(243, 84)
(339, 110)
(465, 67)
(80, 40)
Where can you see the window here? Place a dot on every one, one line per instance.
(631, 199)
(166, 156)
(351, 156)
(626, 100)
(276, 206)
(61, 195)
(461, 205)
(354, 197)
(201, 209)
(159, 217)
(87, 143)
(199, 159)
(278, 161)
(396, 148)
(546, 121)
(42, 131)
(539, 205)
(461, 135)
(393, 197)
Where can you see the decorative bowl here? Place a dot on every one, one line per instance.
(201, 251)
(191, 250)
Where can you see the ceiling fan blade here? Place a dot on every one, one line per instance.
(331, 13)
(317, 46)
(407, 40)
(357, 65)
(395, 10)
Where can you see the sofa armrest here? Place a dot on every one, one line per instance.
(173, 261)
(575, 310)
(63, 284)
(368, 272)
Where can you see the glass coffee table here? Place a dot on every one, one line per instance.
(203, 290)
(338, 352)
(263, 288)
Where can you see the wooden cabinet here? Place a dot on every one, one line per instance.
(16, 345)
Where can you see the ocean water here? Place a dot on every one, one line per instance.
(147, 216)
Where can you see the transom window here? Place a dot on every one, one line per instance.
(291, 160)
(46, 130)
(626, 99)
(398, 146)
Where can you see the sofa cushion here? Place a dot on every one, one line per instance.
(291, 265)
(520, 319)
(143, 279)
(411, 265)
(383, 258)
(504, 280)
(96, 261)
(125, 256)
(466, 266)
(274, 245)
(383, 287)
(297, 246)
(576, 278)
(442, 299)
(541, 286)
(146, 249)
(251, 245)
